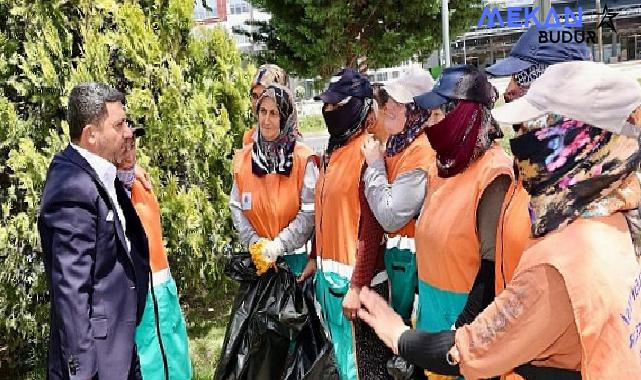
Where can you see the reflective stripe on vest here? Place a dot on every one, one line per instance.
(403, 243)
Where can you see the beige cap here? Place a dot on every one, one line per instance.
(414, 82)
(587, 91)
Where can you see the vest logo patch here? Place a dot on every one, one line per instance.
(246, 201)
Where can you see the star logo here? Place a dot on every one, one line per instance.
(607, 18)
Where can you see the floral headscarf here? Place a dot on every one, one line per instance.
(277, 156)
(572, 170)
(415, 119)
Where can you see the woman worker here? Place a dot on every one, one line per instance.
(395, 185)
(274, 180)
(456, 232)
(348, 111)
(265, 75)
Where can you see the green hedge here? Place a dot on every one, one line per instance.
(188, 90)
(311, 123)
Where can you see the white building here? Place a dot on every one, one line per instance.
(230, 14)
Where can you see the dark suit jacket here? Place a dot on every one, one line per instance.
(97, 289)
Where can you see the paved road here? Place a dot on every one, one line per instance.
(316, 141)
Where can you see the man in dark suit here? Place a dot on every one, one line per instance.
(95, 249)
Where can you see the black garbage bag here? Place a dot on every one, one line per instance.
(313, 354)
(268, 313)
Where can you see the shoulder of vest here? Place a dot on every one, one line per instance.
(240, 156)
(306, 154)
(498, 162)
(139, 192)
(300, 149)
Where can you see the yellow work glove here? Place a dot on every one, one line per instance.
(262, 264)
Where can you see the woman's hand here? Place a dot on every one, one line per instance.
(143, 177)
(309, 270)
(351, 303)
(372, 150)
(386, 323)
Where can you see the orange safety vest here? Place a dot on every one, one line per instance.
(248, 136)
(418, 155)
(596, 259)
(148, 211)
(272, 201)
(512, 234)
(338, 210)
(447, 243)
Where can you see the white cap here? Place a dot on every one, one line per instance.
(587, 91)
(413, 83)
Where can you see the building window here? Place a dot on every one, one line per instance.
(381, 77)
(394, 74)
(201, 13)
(241, 39)
(237, 7)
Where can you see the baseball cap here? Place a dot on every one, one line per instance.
(582, 90)
(462, 82)
(416, 81)
(529, 51)
(346, 82)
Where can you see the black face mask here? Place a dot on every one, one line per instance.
(343, 119)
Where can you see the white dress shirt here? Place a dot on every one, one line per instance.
(106, 172)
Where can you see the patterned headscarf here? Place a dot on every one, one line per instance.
(277, 156)
(573, 170)
(415, 119)
(268, 74)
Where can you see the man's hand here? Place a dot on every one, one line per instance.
(143, 177)
(352, 303)
(386, 323)
(309, 270)
(372, 150)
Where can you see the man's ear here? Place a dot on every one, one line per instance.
(88, 135)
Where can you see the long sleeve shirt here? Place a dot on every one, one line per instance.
(530, 321)
(369, 257)
(299, 230)
(394, 204)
